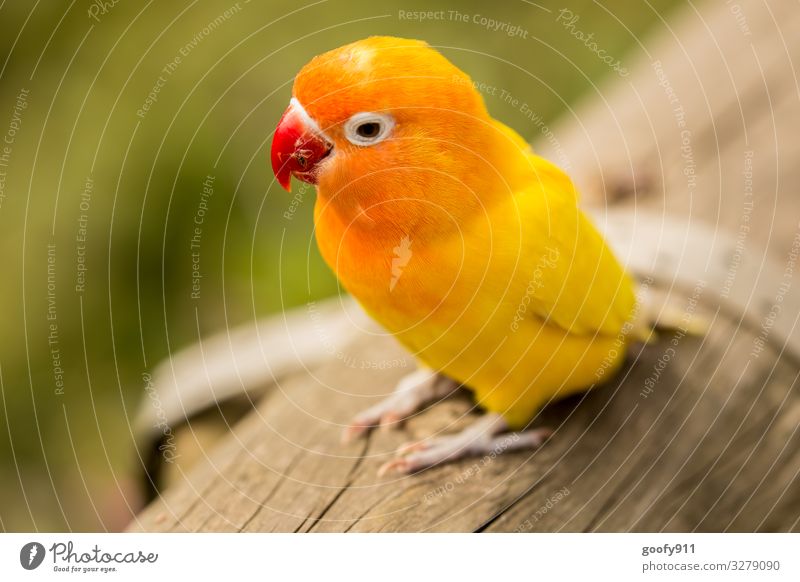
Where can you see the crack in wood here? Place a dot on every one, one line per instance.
(348, 481)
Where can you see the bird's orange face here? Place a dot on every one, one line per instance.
(366, 118)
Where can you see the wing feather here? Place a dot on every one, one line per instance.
(575, 282)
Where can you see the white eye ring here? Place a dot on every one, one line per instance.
(366, 129)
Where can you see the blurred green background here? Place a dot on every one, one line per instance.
(100, 197)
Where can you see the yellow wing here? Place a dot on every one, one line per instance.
(574, 280)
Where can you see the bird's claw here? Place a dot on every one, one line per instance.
(480, 439)
(412, 393)
(357, 429)
(398, 464)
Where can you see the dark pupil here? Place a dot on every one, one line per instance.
(368, 129)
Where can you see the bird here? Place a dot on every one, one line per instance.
(457, 238)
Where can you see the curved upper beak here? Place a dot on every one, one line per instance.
(297, 147)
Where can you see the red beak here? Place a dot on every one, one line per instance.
(297, 147)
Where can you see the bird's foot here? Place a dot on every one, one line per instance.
(486, 436)
(412, 393)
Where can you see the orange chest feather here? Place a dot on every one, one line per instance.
(392, 272)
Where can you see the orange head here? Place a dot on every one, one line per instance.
(383, 118)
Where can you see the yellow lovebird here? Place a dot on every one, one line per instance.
(455, 237)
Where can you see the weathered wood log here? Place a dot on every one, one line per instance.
(696, 433)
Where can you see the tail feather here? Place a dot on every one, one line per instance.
(700, 267)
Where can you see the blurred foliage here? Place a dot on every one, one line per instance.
(67, 459)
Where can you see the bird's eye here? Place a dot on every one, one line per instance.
(365, 129)
(369, 130)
